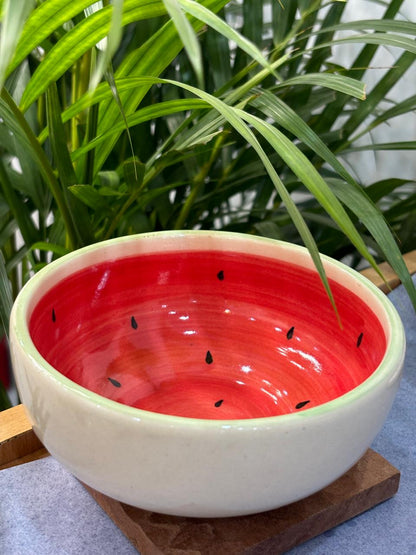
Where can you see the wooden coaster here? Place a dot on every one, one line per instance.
(371, 481)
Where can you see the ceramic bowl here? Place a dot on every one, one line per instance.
(204, 373)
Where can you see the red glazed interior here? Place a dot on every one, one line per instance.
(207, 335)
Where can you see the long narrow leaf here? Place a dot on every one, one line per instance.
(76, 211)
(116, 95)
(397, 145)
(18, 208)
(376, 224)
(209, 18)
(187, 36)
(351, 196)
(376, 191)
(109, 45)
(17, 123)
(234, 117)
(79, 40)
(379, 25)
(340, 83)
(151, 59)
(148, 113)
(272, 106)
(382, 39)
(45, 19)
(310, 177)
(13, 18)
(358, 68)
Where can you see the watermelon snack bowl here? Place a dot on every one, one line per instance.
(204, 374)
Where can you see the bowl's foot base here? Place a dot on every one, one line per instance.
(371, 481)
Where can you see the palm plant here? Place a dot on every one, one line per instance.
(143, 115)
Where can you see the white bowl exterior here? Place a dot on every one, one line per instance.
(194, 467)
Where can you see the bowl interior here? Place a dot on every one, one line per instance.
(207, 334)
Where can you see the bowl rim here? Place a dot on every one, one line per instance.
(388, 370)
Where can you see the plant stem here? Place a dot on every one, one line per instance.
(198, 183)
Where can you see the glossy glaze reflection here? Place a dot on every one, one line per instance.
(207, 335)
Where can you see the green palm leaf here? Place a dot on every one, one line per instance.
(381, 39)
(150, 59)
(384, 25)
(79, 40)
(307, 173)
(187, 36)
(13, 18)
(397, 145)
(45, 19)
(340, 83)
(235, 117)
(17, 123)
(209, 18)
(111, 43)
(274, 107)
(349, 193)
(148, 113)
(365, 210)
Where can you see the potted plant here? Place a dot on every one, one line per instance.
(133, 116)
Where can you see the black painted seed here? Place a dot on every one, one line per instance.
(360, 338)
(302, 404)
(133, 323)
(53, 315)
(114, 382)
(219, 403)
(208, 358)
(220, 275)
(289, 334)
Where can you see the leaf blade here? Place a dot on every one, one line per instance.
(112, 42)
(209, 18)
(368, 213)
(188, 37)
(13, 18)
(341, 83)
(79, 40)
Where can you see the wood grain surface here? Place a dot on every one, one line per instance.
(391, 281)
(18, 442)
(371, 481)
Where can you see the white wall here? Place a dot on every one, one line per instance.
(383, 164)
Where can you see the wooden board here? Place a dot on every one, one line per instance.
(371, 481)
(391, 278)
(18, 443)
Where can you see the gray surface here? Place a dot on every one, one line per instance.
(45, 511)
